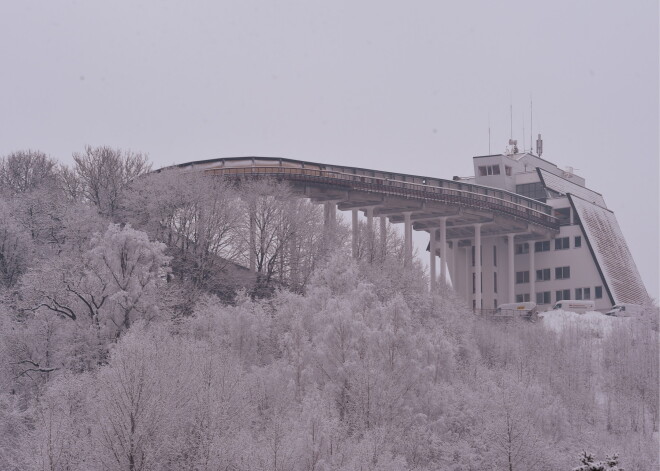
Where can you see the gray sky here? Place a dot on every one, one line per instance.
(375, 84)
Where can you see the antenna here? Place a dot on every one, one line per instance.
(531, 122)
(524, 147)
(489, 133)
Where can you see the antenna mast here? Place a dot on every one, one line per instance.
(531, 123)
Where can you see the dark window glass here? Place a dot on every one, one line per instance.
(598, 292)
(522, 248)
(473, 257)
(587, 293)
(578, 294)
(564, 216)
(496, 169)
(562, 243)
(522, 277)
(474, 282)
(519, 298)
(532, 190)
(578, 241)
(543, 275)
(494, 255)
(495, 282)
(507, 170)
(562, 273)
(543, 298)
(542, 246)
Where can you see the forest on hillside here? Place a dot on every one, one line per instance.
(132, 337)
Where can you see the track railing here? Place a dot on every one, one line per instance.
(447, 191)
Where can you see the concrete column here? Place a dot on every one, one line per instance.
(477, 264)
(329, 215)
(512, 268)
(356, 233)
(532, 273)
(383, 237)
(252, 254)
(370, 233)
(407, 257)
(443, 252)
(468, 275)
(432, 251)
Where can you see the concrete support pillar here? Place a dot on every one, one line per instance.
(512, 268)
(329, 215)
(252, 249)
(432, 251)
(383, 237)
(468, 275)
(532, 273)
(370, 233)
(477, 264)
(407, 257)
(443, 252)
(356, 233)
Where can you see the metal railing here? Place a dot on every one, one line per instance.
(474, 196)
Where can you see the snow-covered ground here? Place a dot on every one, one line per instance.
(598, 323)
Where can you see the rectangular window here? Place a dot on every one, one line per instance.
(543, 298)
(496, 169)
(587, 293)
(578, 241)
(522, 298)
(542, 246)
(522, 248)
(598, 292)
(562, 243)
(562, 273)
(482, 171)
(522, 277)
(474, 283)
(495, 304)
(507, 170)
(495, 282)
(564, 216)
(543, 275)
(494, 255)
(473, 257)
(578, 294)
(563, 294)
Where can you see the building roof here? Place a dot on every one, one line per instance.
(610, 252)
(565, 187)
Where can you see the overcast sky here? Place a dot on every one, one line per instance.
(403, 86)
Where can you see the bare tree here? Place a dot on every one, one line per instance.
(104, 174)
(24, 171)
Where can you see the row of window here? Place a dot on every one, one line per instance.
(561, 243)
(562, 294)
(561, 273)
(493, 170)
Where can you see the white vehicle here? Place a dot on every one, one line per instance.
(625, 310)
(579, 307)
(527, 310)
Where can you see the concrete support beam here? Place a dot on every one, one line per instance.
(512, 267)
(383, 237)
(407, 259)
(477, 265)
(370, 233)
(330, 215)
(356, 232)
(443, 251)
(532, 273)
(432, 251)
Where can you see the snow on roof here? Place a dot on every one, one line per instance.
(563, 186)
(610, 252)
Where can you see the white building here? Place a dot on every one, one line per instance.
(588, 259)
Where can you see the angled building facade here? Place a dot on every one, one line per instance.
(587, 260)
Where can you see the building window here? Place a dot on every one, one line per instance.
(562, 243)
(494, 255)
(543, 275)
(543, 298)
(532, 190)
(522, 248)
(495, 304)
(562, 273)
(578, 241)
(522, 277)
(495, 282)
(474, 283)
(473, 251)
(586, 292)
(474, 304)
(507, 170)
(578, 294)
(522, 298)
(542, 246)
(564, 216)
(489, 170)
(598, 291)
(563, 294)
